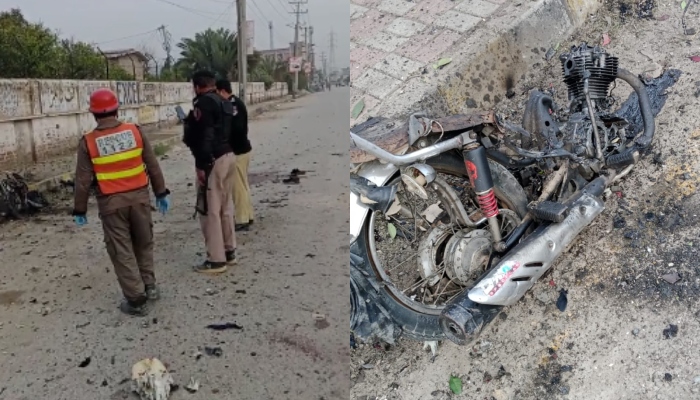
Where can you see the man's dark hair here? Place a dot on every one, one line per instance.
(203, 79)
(114, 113)
(224, 84)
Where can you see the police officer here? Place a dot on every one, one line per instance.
(207, 133)
(120, 161)
(242, 202)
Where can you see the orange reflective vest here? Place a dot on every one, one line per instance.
(117, 158)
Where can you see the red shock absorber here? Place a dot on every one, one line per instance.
(488, 203)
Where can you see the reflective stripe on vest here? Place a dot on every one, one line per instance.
(117, 159)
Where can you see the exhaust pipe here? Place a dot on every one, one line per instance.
(467, 314)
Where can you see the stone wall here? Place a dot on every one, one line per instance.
(42, 118)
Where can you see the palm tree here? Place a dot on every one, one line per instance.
(214, 50)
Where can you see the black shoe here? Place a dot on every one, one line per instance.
(152, 292)
(231, 257)
(136, 310)
(242, 227)
(209, 267)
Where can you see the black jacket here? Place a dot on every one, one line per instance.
(239, 133)
(208, 129)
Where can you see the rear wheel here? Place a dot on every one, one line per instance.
(396, 258)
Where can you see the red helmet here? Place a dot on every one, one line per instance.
(103, 101)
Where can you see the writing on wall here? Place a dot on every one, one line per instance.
(58, 96)
(87, 88)
(128, 93)
(15, 98)
(149, 92)
(178, 93)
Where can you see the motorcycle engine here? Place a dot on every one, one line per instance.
(590, 70)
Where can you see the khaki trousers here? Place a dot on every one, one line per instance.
(128, 235)
(241, 190)
(217, 225)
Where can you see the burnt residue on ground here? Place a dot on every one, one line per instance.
(661, 247)
(632, 9)
(551, 378)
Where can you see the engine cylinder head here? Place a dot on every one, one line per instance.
(594, 63)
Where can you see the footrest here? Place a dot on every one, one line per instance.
(549, 211)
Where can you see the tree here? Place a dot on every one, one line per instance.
(30, 50)
(213, 50)
(269, 70)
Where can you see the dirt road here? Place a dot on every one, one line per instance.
(610, 342)
(59, 295)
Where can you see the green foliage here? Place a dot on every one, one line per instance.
(29, 50)
(214, 50)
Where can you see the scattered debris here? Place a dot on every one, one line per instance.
(192, 386)
(225, 326)
(310, 255)
(294, 176)
(456, 384)
(668, 377)
(671, 278)
(151, 380)
(432, 212)
(635, 331)
(562, 301)
(367, 366)
(391, 229)
(671, 331)
(214, 351)
(695, 58)
(85, 362)
(605, 40)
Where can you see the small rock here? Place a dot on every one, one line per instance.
(635, 331)
(671, 331)
(499, 394)
(668, 377)
(697, 380)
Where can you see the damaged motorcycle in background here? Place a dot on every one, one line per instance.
(16, 198)
(455, 218)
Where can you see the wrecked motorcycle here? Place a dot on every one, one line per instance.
(453, 219)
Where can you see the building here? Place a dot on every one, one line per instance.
(132, 61)
(285, 53)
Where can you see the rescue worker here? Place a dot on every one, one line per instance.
(207, 134)
(119, 160)
(242, 202)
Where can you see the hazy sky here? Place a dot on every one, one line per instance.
(132, 23)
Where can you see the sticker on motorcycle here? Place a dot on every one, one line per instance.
(504, 272)
(471, 171)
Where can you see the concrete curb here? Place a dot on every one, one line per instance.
(486, 61)
(54, 182)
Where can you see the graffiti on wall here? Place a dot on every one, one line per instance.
(128, 93)
(147, 115)
(177, 93)
(58, 96)
(149, 92)
(87, 88)
(15, 99)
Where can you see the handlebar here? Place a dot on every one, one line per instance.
(431, 151)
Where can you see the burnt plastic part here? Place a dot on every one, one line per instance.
(628, 157)
(539, 122)
(518, 232)
(462, 320)
(640, 114)
(368, 320)
(508, 162)
(550, 211)
(477, 164)
(382, 197)
(592, 63)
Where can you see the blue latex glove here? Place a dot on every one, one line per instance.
(163, 204)
(80, 220)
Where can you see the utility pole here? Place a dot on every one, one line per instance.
(323, 63)
(272, 41)
(331, 57)
(242, 51)
(306, 42)
(298, 12)
(312, 52)
(167, 47)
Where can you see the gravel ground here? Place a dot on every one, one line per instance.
(59, 296)
(614, 340)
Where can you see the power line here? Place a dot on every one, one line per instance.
(127, 37)
(192, 10)
(224, 12)
(285, 18)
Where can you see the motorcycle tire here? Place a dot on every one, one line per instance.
(412, 320)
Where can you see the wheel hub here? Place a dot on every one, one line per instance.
(467, 255)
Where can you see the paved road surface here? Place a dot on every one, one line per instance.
(292, 265)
